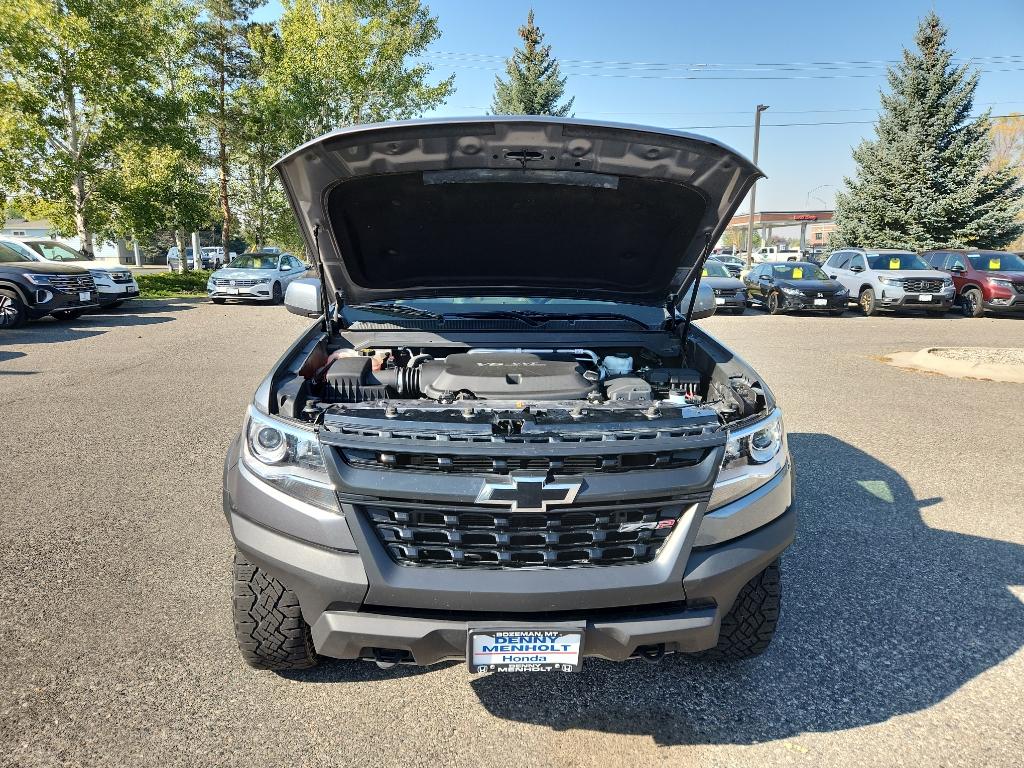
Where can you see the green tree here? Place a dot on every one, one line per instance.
(345, 61)
(535, 84)
(925, 180)
(77, 78)
(223, 61)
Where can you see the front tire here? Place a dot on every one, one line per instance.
(972, 302)
(218, 301)
(13, 312)
(749, 626)
(277, 294)
(269, 627)
(773, 304)
(867, 302)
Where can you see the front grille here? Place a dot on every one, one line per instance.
(222, 281)
(1018, 287)
(818, 294)
(72, 283)
(922, 285)
(557, 466)
(480, 537)
(729, 292)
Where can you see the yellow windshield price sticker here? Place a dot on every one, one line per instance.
(798, 273)
(894, 262)
(995, 263)
(704, 272)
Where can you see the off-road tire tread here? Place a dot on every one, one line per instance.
(748, 628)
(269, 627)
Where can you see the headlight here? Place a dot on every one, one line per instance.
(843, 292)
(37, 279)
(893, 281)
(947, 282)
(262, 280)
(288, 457)
(753, 456)
(791, 291)
(1000, 283)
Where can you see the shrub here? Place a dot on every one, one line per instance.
(162, 285)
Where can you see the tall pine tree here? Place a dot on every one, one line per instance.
(925, 181)
(535, 84)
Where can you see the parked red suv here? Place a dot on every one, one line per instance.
(992, 280)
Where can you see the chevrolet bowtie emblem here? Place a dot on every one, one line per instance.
(527, 492)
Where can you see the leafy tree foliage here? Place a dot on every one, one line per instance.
(78, 78)
(925, 181)
(535, 84)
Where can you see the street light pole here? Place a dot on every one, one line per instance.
(753, 190)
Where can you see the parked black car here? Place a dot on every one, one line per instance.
(730, 293)
(781, 286)
(33, 289)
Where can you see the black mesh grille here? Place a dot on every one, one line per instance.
(1018, 287)
(72, 283)
(558, 466)
(478, 537)
(922, 285)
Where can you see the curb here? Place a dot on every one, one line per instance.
(924, 360)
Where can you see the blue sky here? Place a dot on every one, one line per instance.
(804, 164)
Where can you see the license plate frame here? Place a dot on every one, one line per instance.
(719, 300)
(564, 644)
(925, 297)
(821, 302)
(85, 296)
(231, 291)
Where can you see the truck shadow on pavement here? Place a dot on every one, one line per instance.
(882, 616)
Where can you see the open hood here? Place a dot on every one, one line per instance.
(512, 206)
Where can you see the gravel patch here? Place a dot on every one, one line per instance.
(1001, 356)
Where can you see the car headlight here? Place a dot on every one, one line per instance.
(37, 279)
(947, 282)
(262, 280)
(753, 456)
(893, 281)
(289, 458)
(1000, 283)
(791, 291)
(843, 292)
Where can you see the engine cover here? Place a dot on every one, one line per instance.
(506, 376)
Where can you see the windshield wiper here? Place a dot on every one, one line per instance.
(400, 310)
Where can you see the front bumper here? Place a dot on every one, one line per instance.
(1013, 303)
(806, 303)
(46, 301)
(678, 600)
(261, 292)
(738, 301)
(897, 298)
(119, 292)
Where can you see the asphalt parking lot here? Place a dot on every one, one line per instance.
(903, 620)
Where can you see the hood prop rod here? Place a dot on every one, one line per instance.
(328, 325)
(699, 269)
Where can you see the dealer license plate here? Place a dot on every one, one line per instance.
(719, 301)
(524, 650)
(232, 290)
(924, 297)
(84, 296)
(820, 302)
(128, 289)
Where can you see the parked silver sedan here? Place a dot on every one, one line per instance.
(255, 276)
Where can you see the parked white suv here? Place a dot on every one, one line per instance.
(114, 285)
(883, 278)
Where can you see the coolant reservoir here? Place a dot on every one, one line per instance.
(617, 365)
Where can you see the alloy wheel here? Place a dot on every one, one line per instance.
(8, 311)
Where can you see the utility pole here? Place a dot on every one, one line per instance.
(753, 190)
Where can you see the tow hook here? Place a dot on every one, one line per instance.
(651, 653)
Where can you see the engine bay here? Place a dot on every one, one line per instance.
(555, 385)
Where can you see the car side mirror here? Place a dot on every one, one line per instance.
(957, 270)
(704, 306)
(283, 268)
(303, 297)
(831, 277)
(856, 269)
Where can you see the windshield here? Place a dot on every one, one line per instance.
(798, 271)
(254, 261)
(996, 262)
(10, 256)
(54, 251)
(711, 269)
(885, 261)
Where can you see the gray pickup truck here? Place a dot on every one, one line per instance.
(503, 440)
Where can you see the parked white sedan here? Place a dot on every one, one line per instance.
(255, 276)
